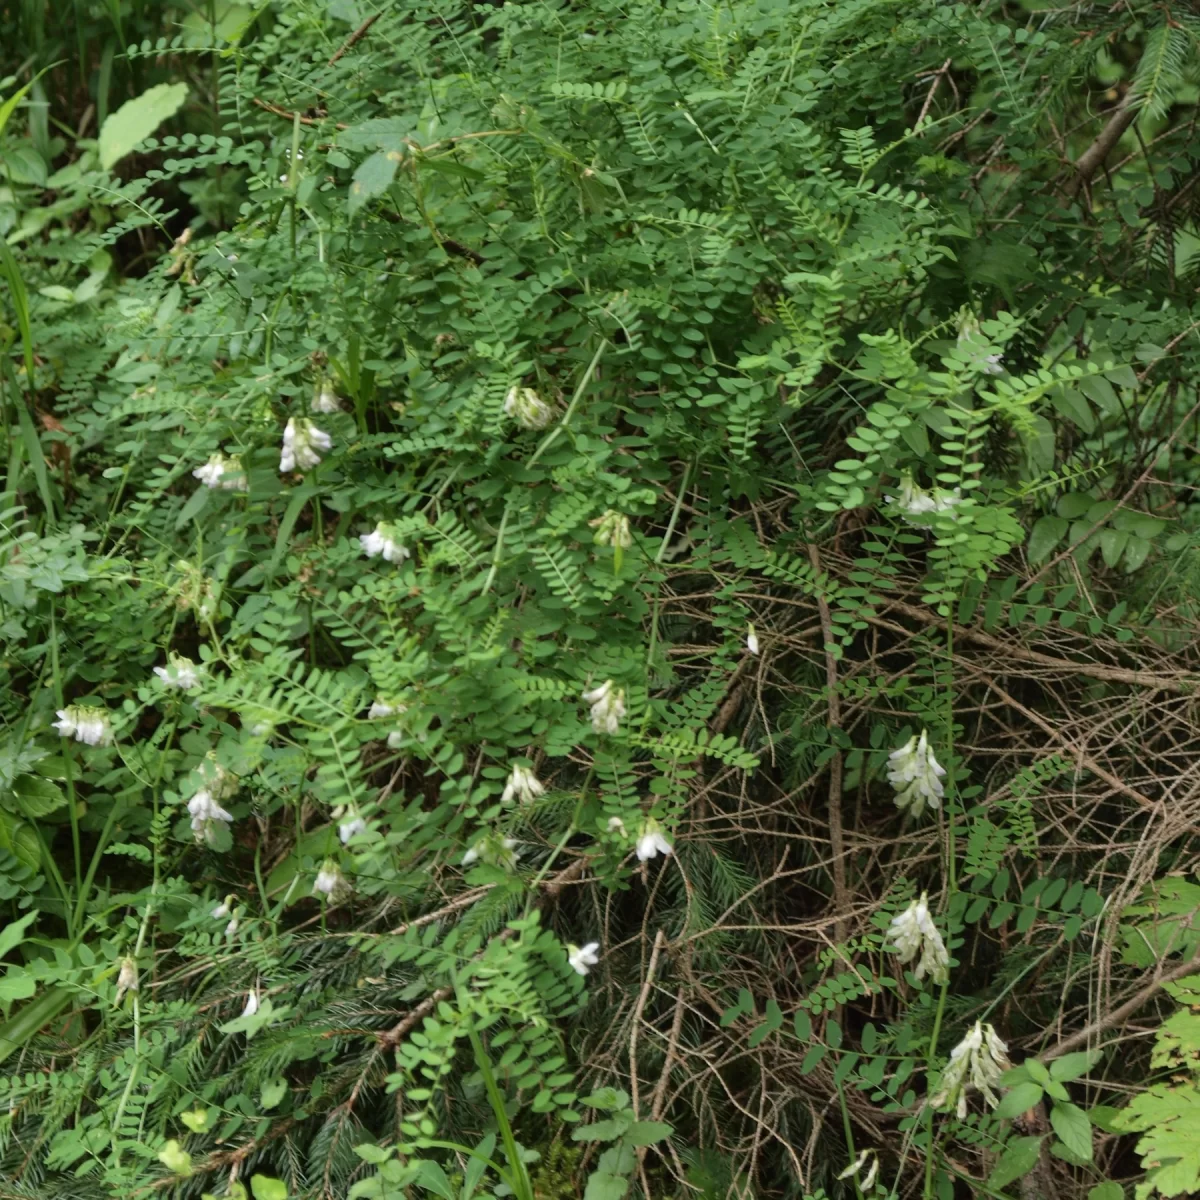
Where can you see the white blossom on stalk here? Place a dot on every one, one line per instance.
(867, 1181)
(913, 932)
(127, 978)
(301, 442)
(326, 400)
(206, 812)
(381, 708)
(329, 880)
(971, 343)
(652, 841)
(382, 540)
(978, 1061)
(916, 775)
(225, 472)
(751, 639)
(612, 529)
(916, 504)
(616, 825)
(522, 785)
(494, 850)
(351, 829)
(232, 928)
(180, 672)
(608, 706)
(251, 1003)
(223, 909)
(85, 724)
(527, 408)
(583, 958)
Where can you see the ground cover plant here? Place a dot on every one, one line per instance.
(599, 600)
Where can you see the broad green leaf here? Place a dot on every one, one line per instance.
(1019, 1158)
(1073, 1066)
(432, 1177)
(12, 935)
(1110, 1190)
(1018, 1100)
(35, 797)
(1136, 553)
(16, 984)
(1047, 532)
(603, 1186)
(196, 1120)
(1070, 404)
(137, 119)
(1073, 1128)
(272, 1092)
(646, 1133)
(175, 1158)
(373, 177)
(263, 1187)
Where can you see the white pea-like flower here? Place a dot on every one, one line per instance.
(351, 829)
(978, 1062)
(916, 775)
(751, 639)
(381, 708)
(302, 442)
(232, 928)
(493, 850)
(523, 785)
(916, 504)
(868, 1159)
(223, 909)
(608, 707)
(382, 540)
(612, 529)
(225, 472)
(583, 958)
(251, 1006)
(527, 408)
(206, 813)
(329, 880)
(85, 724)
(972, 343)
(326, 400)
(913, 932)
(652, 841)
(127, 977)
(180, 672)
(617, 825)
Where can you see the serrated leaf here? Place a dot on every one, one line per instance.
(1018, 1100)
(35, 797)
(137, 119)
(1073, 1066)
(646, 1133)
(1073, 1128)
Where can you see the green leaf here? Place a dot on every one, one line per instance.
(1109, 1190)
(137, 119)
(1018, 1100)
(36, 797)
(603, 1131)
(272, 1092)
(196, 1120)
(176, 1159)
(432, 1177)
(1074, 1066)
(16, 984)
(373, 177)
(1136, 553)
(265, 1188)
(603, 1186)
(12, 935)
(646, 1133)
(1070, 404)
(1073, 1128)
(1019, 1158)
(1047, 532)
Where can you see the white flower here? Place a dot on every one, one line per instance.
(493, 850)
(205, 811)
(977, 1061)
(582, 958)
(329, 880)
(915, 504)
(301, 441)
(395, 739)
(972, 343)
(751, 639)
(251, 1003)
(85, 724)
(916, 775)
(223, 909)
(180, 672)
(223, 472)
(381, 540)
(380, 708)
(612, 529)
(652, 842)
(993, 364)
(527, 408)
(127, 978)
(232, 928)
(616, 825)
(855, 1168)
(352, 828)
(522, 785)
(608, 706)
(913, 930)
(326, 400)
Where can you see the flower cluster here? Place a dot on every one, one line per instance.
(652, 841)
(866, 1180)
(223, 472)
(523, 785)
(527, 408)
(330, 881)
(978, 1061)
(180, 672)
(583, 958)
(612, 529)
(972, 345)
(916, 504)
(495, 851)
(325, 399)
(195, 592)
(382, 540)
(916, 775)
(205, 806)
(85, 724)
(302, 441)
(913, 932)
(608, 707)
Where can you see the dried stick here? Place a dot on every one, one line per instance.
(355, 37)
